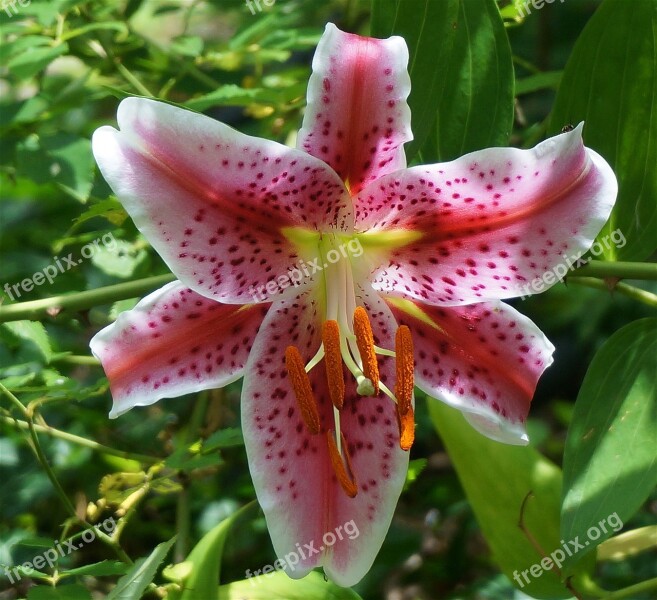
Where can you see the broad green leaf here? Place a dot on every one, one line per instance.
(62, 592)
(429, 29)
(278, 586)
(497, 478)
(476, 108)
(132, 585)
(33, 60)
(61, 158)
(202, 567)
(610, 463)
(610, 82)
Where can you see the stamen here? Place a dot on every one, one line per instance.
(365, 343)
(333, 362)
(404, 367)
(345, 475)
(302, 389)
(406, 428)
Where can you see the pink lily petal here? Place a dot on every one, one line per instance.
(212, 201)
(484, 359)
(357, 118)
(174, 342)
(291, 469)
(492, 223)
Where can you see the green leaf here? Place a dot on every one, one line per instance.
(476, 108)
(132, 585)
(628, 544)
(610, 82)
(609, 463)
(278, 586)
(415, 467)
(111, 209)
(188, 45)
(497, 478)
(538, 81)
(62, 592)
(99, 569)
(34, 343)
(233, 95)
(60, 158)
(33, 60)
(119, 259)
(429, 29)
(224, 438)
(202, 566)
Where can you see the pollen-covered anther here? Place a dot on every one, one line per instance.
(406, 428)
(404, 369)
(303, 391)
(343, 472)
(365, 343)
(333, 362)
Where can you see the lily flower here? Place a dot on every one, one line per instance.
(334, 279)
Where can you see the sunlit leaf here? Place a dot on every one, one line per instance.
(610, 464)
(497, 479)
(610, 82)
(203, 565)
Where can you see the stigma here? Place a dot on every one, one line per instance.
(351, 345)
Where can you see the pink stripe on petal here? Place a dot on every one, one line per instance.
(291, 468)
(213, 201)
(484, 359)
(357, 118)
(174, 342)
(493, 222)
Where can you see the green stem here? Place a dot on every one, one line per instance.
(71, 359)
(633, 590)
(80, 441)
(37, 309)
(36, 447)
(621, 270)
(622, 288)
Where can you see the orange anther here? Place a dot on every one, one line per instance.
(365, 343)
(345, 475)
(303, 391)
(404, 368)
(333, 362)
(406, 428)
